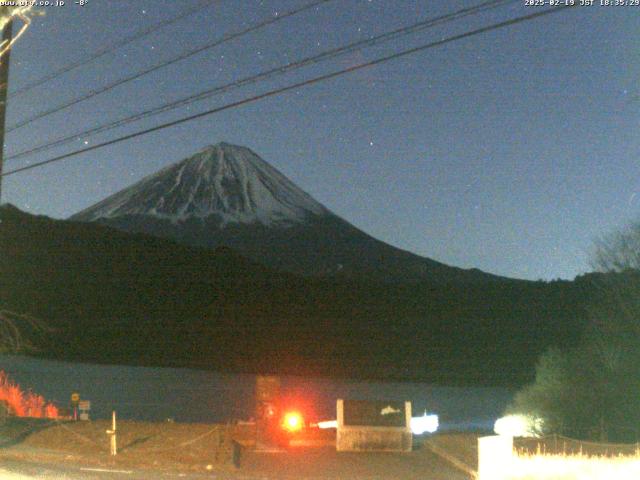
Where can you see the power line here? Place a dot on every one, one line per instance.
(166, 63)
(109, 48)
(294, 86)
(326, 55)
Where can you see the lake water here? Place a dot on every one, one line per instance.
(142, 393)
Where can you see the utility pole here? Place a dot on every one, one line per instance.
(7, 34)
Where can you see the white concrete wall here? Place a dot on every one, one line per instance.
(354, 438)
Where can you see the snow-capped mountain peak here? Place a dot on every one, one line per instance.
(223, 180)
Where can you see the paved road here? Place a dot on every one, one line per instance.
(24, 470)
(298, 464)
(327, 464)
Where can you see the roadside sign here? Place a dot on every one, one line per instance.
(75, 399)
(84, 406)
(373, 426)
(375, 413)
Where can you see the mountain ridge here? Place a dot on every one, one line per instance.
(226, 195)
(223, 179)
(116, 297)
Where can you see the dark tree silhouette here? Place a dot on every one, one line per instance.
(591, 390)
(17, 332)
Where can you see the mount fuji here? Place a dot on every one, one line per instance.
(226, 195)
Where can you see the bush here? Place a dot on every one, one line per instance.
(23, 404)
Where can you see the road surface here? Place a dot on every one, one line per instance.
(298, 464)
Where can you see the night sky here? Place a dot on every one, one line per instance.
(510, 151)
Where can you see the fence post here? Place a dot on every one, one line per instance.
(112, 434)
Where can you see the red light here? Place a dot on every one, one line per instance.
(292, 421)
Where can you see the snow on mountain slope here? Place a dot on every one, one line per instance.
(228, 196)
(228, 181)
